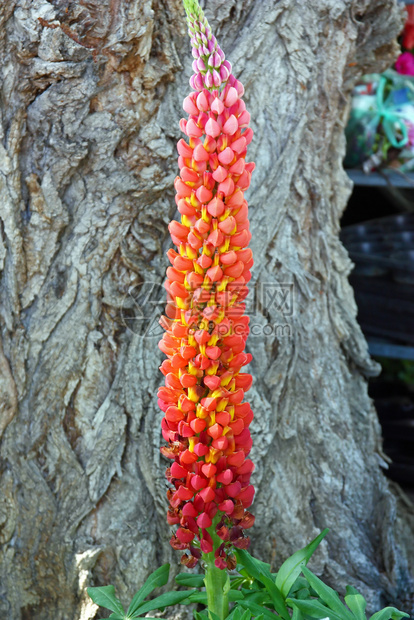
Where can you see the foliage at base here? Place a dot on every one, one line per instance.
(294, 592)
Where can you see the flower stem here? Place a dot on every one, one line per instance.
(217, 581)
(216, 587)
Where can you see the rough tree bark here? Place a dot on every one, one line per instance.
(90, 104)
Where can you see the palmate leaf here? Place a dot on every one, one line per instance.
(104, 596)
(327, 594)
(157, 579)
(291, 568)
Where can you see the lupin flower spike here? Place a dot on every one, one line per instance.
(206, 422)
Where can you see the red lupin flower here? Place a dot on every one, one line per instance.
(206, 421)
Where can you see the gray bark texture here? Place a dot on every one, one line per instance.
(91, 94)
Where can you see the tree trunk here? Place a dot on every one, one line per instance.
(91, 99)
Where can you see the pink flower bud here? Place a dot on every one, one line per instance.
(220, 174)
(224, 73)
(216, 207)
(192, 130)
(200, 65)
(212, 128)
(228, 225)
(216, 78)
(225, 157)
(227, 64)
(240, 88)
(231, 125)
(200, 153)
(202, 102)
(217, 106)
(208, 79)
(231, 97)
(198, 82)
(210, 46)
(189, 106)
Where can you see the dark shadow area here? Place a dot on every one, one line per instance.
(378, 232)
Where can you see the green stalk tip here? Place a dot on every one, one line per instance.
(192, 8)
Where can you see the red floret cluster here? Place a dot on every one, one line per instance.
(206, 421)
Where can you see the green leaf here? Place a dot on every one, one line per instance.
(192, 581)
(227, 585)
(203, 615)
(235, 583)
(165, 600)
(257, 609)
(302, 594)
(299, 584)
(291, 568)
(261, 597)
(238, 613)
(212, 615)
(254, 567)
(115, 617)
(351, 590)
(314, 609)
(356, 604)
(327, 594)
(297, 614)
(104, 596)
(232, 612)
(261, 571)
(389, 612)
(196, 597)
(157, 579)
(277, 599)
